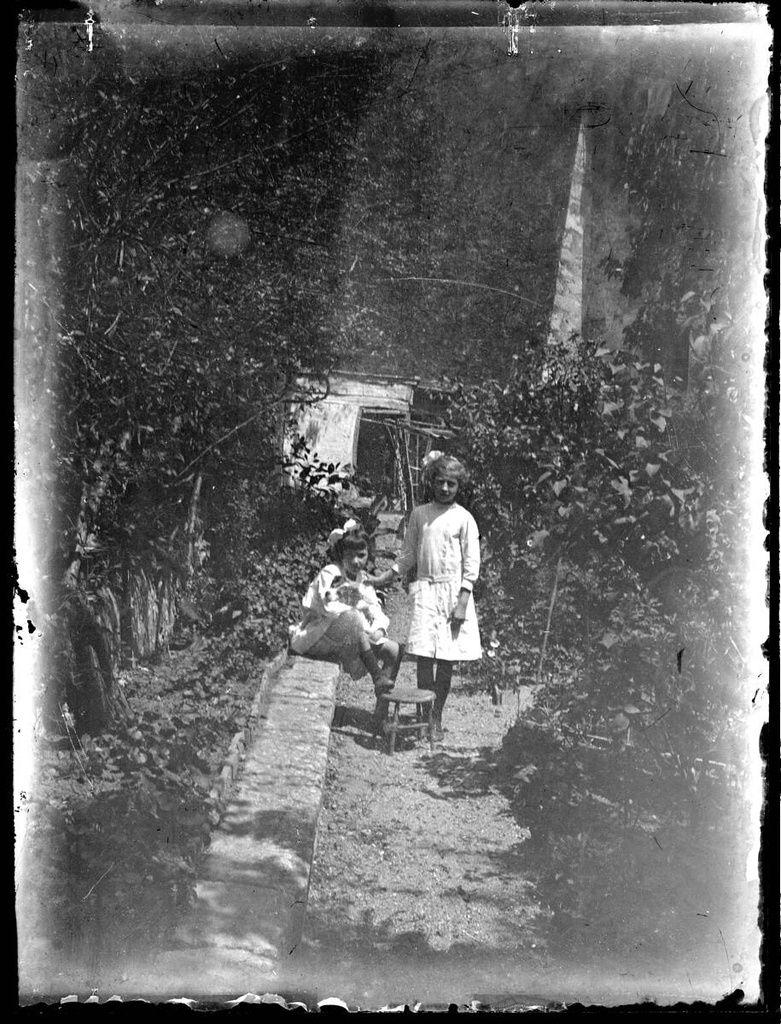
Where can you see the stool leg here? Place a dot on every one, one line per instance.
(378, 718)
(393, 727)
(431, 726)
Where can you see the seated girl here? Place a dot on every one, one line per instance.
(343, 620)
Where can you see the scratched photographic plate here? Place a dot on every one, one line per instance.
(490, 190)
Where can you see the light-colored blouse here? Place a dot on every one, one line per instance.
(442, 543)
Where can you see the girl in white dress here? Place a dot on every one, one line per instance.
(442, 545)
(343, 620)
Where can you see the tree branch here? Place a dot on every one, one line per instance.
(466, 284)
(231, 432)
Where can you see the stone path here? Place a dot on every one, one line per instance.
(252, 889)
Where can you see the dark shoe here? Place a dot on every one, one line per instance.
(380, 712)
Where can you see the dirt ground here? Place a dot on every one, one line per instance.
(421, 890)
(419, 879)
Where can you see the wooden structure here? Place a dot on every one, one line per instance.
(380, 427)
(420, 722)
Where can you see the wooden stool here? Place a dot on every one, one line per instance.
(423, 720)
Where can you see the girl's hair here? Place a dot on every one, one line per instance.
(446, 464)
(352, 540)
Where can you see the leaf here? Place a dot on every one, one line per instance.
(525, 774)
(537, 538)
(659, 422)
(641, 442)
(652, 468)
(601, 451)
(681, 494)
(608, 639)
(622, 486)
(559, 486)
(701, 346)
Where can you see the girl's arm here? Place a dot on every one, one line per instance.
(470, 568)
(382, 579)
(333, 607)
(470, 553)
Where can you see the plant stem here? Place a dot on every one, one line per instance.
(550, 616)
(191, 522)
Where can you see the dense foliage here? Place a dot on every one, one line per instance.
(612, 490)
(190, 299)
(121, 817)
(614, 580)
(181, 225)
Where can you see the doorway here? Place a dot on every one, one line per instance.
(375, 461)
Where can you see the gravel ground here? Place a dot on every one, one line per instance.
(419, 879)
(421, 889)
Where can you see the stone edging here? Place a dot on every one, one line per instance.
(225, 781)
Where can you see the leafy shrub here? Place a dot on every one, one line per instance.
(611, 845)
(262, 605)
(259, 576)
(310, 474)
(124, 815)
(613, 579)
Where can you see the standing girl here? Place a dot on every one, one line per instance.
(443, 545)
(343, 620)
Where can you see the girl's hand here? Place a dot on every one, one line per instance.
(458, 615)
(382, 579)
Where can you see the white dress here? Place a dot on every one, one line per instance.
(442, 545)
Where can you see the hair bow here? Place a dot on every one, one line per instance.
(431, 458)
(339, 532)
